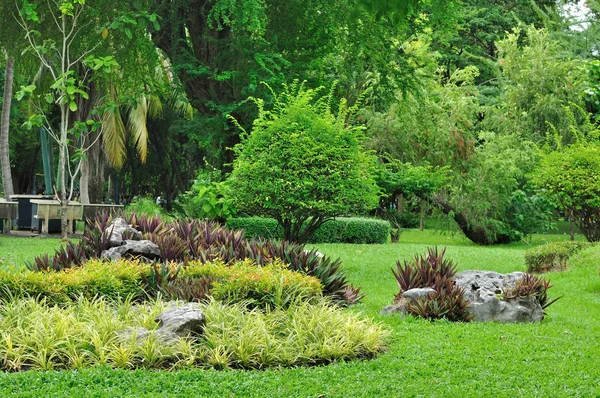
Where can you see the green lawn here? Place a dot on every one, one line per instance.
(559, 357)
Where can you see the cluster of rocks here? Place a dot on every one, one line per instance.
(484, 290)
(187, 321)
(133, 247)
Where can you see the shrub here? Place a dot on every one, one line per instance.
(434, 271)
(552, 256)
(272, 285)
(448, 301)
(303, 164)
(41, 337)
(340, 230)
(207, 241)
(528, 286)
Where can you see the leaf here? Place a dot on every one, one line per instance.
(104, 33)
(128, 33)
(72, 106)
(49, 98)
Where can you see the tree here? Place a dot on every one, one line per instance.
(54, 32)
(572, 178)
(7, 182)
(302, 164)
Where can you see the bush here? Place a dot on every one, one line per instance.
(552, 256)
(272, 285)
(303, 163)
(205, 241)
(433, 271)
(40, 337)
(340, 230)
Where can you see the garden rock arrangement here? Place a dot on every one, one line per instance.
(130, 248)
(174, 323)
(412, 294)
(484, 291)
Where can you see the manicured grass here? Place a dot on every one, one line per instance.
(14, 250)
(556, 358)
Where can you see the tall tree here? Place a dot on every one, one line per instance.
(7, 182)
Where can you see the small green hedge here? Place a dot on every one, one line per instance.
(340, 230)
(551, 256)
(272, 285)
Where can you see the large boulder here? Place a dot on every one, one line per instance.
(173, 324)
(117, 228)
(133, 248)
(484, 290)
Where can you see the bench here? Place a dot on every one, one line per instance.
(8, 212)
(50, 210)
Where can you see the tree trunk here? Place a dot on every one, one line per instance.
(62, 169)
(84, 182)
(476, 233)
(7, 181)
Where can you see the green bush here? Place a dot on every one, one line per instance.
(272, 285)
(37, 336)
(552, 256)
(340, 230)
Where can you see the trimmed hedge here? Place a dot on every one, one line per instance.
(551, 256)
(340, 230)
(272, 285)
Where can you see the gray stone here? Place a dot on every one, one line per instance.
(174, 323)
(133, 248)
(117, 228)
(418, 293)
(184, 322)
(484, 291)
(398, 308)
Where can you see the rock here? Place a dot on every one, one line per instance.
(399, 307)
(184, 322)
(484, 289)
(117, 228)
(174, 323)
(417, 293)
(133, 248)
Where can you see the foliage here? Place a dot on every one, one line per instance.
(447, 302)
(41, 337)
(570, 177)
(144, 206)
(423, 271)
(434, 271)
(340, 230)
(530, 285)
(209, 201)
(552, 256)
(542, 85)
(110, 280)
(302, 164)
(271, 285)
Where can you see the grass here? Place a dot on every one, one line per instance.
(556, 358)
(14, 251)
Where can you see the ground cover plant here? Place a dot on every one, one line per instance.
(41, 337)
(555, 358)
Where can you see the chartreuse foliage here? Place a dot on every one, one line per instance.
(303, 164)
(41, 337)
(340, 230)
(571, 178)
(272, 285)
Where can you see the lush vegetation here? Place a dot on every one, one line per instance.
(553, 358)
(340, 230)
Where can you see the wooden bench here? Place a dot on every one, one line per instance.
(8, 212)
(50, 210)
